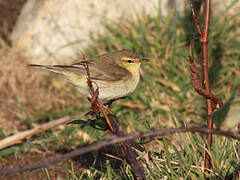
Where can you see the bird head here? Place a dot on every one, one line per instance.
(129, 60)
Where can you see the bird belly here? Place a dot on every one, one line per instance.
(80, 82)
(116, 90)
(107, 90)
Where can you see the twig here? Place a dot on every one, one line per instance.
(195, 19)
(126, 148)
(114, 140)
(22, 135)
(212, 101)
(127, 151)
(95, 102)
(204, 43)
(199, 87)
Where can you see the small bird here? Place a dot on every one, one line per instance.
(115, 74)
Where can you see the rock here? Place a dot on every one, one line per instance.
(55, 31)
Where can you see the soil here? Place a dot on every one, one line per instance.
(95, 160)
(56, 171)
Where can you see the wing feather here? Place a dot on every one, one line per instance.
(98, 70)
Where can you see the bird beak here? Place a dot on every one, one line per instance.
(143, 60)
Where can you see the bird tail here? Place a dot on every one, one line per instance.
(53, 68)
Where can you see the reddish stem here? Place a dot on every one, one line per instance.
(204, 43)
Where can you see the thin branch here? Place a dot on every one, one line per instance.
(26, 134)
(199, 87)
(204, 43)
(126, 148)
(114, 140)
(195, 19)
(203, 87)
(95, 102)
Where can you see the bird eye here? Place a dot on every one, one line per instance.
(130, 61)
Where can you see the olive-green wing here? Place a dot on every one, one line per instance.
(97, 71)
(100, 70)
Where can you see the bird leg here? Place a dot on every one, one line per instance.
(109, 103)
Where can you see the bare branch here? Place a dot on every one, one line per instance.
(26, 134)
(126, 148)
(114, 140)
(195, 19)
(203, 87)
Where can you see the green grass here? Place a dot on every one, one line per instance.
(166, 93)
(164, 98)
(173, 162)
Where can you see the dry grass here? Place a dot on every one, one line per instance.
(28, 90)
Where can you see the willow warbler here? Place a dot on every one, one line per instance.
(115, 74)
